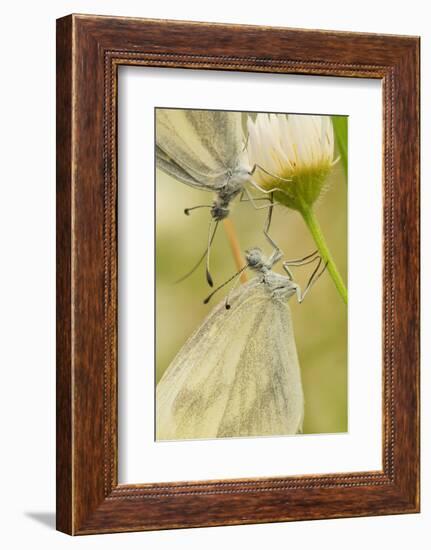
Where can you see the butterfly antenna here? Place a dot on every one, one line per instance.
(211, 235)
(227, 302)
(197, 264)
(194, 268)
(188, 210)
(208, 298)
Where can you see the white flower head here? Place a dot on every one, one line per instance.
(292, 153)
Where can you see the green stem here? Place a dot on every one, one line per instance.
(314, 227)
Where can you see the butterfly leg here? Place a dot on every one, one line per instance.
(299, 262)
(300, 295)
(275, 176)
(253, 200)
(262, 190)
(268, 225)
(277, 254)
(253, 170)
(270, 207)
(288, 271)
(303, 261)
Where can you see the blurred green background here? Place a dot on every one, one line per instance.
(320, 322)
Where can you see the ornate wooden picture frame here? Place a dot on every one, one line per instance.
(89, 51)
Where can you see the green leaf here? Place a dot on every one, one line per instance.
(340, 131)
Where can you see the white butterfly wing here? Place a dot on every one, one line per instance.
(238, 374)
(266, 396)
(198, 147)
(221, 134)
(168, 165)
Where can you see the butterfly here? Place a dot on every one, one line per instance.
(238, 375)
(206, 150)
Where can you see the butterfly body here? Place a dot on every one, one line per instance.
(279, 286)
(205, 150)
(235, 181)
(238, 375)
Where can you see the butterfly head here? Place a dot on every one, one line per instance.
(255, 259)
(219, 211)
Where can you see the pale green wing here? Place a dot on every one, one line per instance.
(266, 395)
(221, 134)
(198, 147)
(238, 374)
(169, 166)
